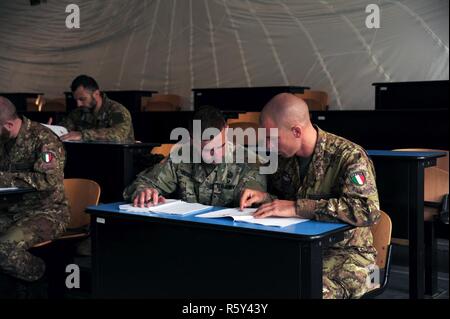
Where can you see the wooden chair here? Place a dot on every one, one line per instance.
(381, 232)
(248, 117)
(244, 126)
(316, 100)
(80, 193)
(54, 105)
(59, 252)
(164, 149)
(162, 102)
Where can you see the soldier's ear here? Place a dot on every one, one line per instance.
(97, 94)
(296, 131)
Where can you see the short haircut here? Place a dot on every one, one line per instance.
(7, 110)
(85, 81)
(210, 117)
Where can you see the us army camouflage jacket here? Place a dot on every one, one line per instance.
(339, 186)
(192, 183)
(112, 123)
(35, 159)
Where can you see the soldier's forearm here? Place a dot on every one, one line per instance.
(105, 134)
(360, 212)
(35, 180)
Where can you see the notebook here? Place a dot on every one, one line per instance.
(171, 206)
(246, 215)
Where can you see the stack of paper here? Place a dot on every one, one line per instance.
(246, 216)
(170, 206)
(58, 130)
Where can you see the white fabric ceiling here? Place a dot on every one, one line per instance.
(175, 45)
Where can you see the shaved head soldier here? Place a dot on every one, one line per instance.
(322, 177)
(30, 156)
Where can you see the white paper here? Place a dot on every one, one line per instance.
(171, 206)
(8, 188)
(58, 130)
(246, 215)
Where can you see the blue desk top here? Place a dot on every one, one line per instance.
(312, 229)
(18, 191)
(406, 154)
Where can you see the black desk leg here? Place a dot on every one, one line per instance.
(416, 231)
(311, 271)
(431, 280)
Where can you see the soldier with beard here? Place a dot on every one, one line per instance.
(96, 118)
(30, 156)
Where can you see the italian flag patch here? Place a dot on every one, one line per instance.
(358, 179)
(47, 157)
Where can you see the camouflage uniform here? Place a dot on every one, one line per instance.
(111, 123)
(221, 185)
(34, 159)
(337, 186)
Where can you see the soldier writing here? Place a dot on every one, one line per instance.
(212, 182)
(30, 156)
(323, 177)
(96, 118)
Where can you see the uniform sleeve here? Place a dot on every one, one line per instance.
(161, 177)
(48, 169)
(358, 203)
(250, 179)
(69, 122)
(117, 132)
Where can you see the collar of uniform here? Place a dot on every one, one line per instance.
(316, 164)
(200, 173)
(106, 104)
(321, 141)
(26, 124)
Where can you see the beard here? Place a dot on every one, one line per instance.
(5, 135)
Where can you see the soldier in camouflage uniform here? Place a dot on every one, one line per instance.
(322, 177)
(218, 184)
(30, 156)
(97, 118)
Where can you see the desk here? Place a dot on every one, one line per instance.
(112, 165)
(397, 95)
(20, 99)
(248, 99)
(142, 255)
(131, 99)
(400, 183)
(6, 194)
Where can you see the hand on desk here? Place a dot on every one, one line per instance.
(250, 197)
(147, 198)
(71, 136)
(279, 208)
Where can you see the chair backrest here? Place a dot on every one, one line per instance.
(248, 117)
(54, 105)
(164, 149)
(316, 100)
(244, 126)
(162, 102)
(435, 177)
(382, 232)
(80, 193)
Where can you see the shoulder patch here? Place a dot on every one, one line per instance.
(358, 178)
(47, 156)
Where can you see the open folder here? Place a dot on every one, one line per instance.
(58, 130)
(170, 206)
(246, 215)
